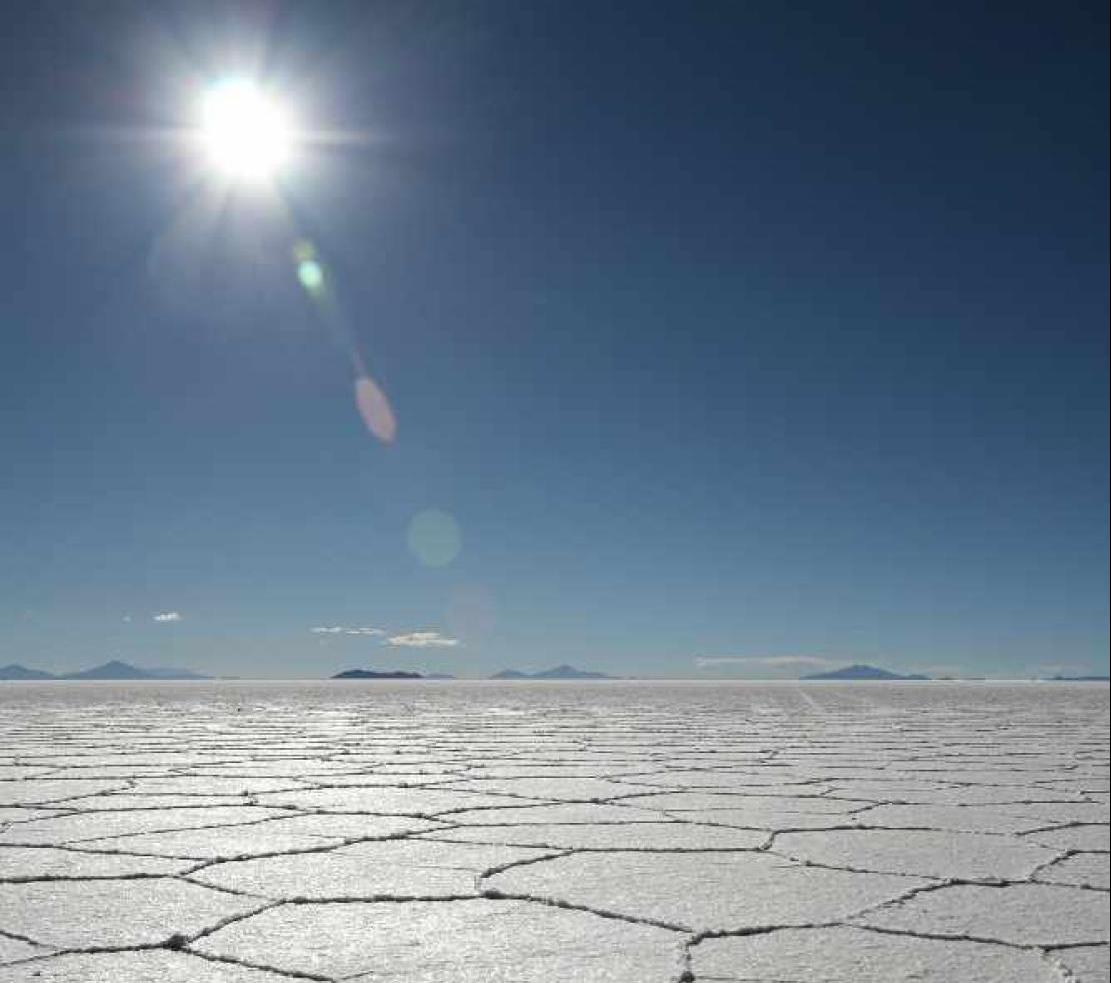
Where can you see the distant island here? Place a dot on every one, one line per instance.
(378, 674)
(110, 670)
(1078, 679)
(556, 672)
(861, 672)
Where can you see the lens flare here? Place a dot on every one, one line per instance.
(319, 284)
(375, 410)
(311, 275)
(434, 538)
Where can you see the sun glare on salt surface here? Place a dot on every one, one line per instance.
(245, 133)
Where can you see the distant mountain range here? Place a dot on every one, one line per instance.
(110, 670)
(861, 672)
(556, 672)
(21, 672)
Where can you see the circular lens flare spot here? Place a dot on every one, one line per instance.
(311, 275)
(434, 538)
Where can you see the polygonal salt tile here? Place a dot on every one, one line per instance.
(1062, 812)
(1087, 964)
(10, 772)
(208, 785)
(389, 801)
(539, 770)
(40, 790)
(409, 779)
(702, 891)
(287, 768)
(1093, 839)
(470, 941)
(1021, 914)
(145, 966)
(83, 914)
(21, 814)
(1004, 777)
(571, 812)
(99, 825)
(959, 819)
(885, 789)
(1079, 870)
(610, 836)
(126, 802)
(982, 795)
(403, 868)
(12, 950)
(756, 817)
(559, 789)
(840, 955)
(116, 772)
(926, 853)
(23, 863)
(773, 804)
(216, 842)
(333, 826)
(741, 781)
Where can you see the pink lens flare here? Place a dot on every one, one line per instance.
(375, 410)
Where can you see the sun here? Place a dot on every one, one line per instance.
(245, 134)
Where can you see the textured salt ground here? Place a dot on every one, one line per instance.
(620, 833)
(841, 955)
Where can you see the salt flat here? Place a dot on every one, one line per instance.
(235, 832)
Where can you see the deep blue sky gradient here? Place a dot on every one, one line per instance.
(725, 330)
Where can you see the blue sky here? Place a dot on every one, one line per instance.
(717, 331)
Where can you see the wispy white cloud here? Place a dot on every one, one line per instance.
(165, 616)
(764, 661)
(341, 630)
(423, 640)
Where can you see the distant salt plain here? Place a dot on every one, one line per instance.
(619, 832)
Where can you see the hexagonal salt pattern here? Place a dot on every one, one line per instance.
(618, 833)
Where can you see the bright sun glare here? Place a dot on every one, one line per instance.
(246, 135)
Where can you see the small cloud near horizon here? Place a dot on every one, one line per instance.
(428, 638)
(341, 630)
(167, 616)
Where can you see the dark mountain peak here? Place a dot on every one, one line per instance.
(860, 671)
(569, 672)
(16, 671)
(110, 670)
(556, 672)
(124, 670)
